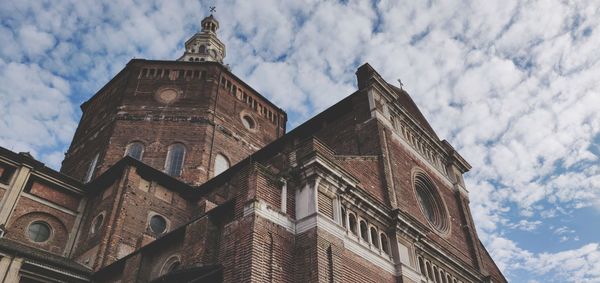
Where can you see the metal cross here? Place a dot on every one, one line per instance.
(213, 9)
(401, 84)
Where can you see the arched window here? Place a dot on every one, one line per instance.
(363, 231)
(191, 59)
(202, 49)
(175, 158)
(352, 223)
(91, 168)
(448, 278)
(97, 224)
(221, 164)
(135, 150)
(421, 266)
(436, 275)
(384, 243)
(429, 274)
(171, 264)
(343, 217)
(374, 238)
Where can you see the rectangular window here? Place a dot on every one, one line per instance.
(6, 173)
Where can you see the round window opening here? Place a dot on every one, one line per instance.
(39, 231)
(431, 202)
(248, 122)
(167, 95)
(158, 224)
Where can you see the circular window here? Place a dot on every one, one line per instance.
(158, 224)
(167, 95)
(248, 122)
(97, 225)
(39, 231)
(430, 202)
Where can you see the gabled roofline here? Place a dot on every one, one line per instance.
(28, 160)
(145, 171)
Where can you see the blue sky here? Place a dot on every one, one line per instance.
(513, 85)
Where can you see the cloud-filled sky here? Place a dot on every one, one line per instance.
(513, 85)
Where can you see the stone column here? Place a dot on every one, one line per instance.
(12, 195)
(13, 271)
(283, 195)
(4, 265)
(337, 210)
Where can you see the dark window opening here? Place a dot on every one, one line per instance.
(39, 231)
(175, 158)
(352, 223)
(158, 224)
(374, 238)
(135, 150)
(6, 173)
(363, 231)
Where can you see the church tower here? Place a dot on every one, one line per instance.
(191, 118)
(205, 45)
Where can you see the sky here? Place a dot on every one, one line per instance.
(513, 85)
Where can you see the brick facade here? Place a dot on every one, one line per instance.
(335, 200)
(205, 115)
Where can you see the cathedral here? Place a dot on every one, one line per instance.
(179, 171)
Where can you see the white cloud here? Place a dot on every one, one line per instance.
(38, 115)
(35, 42)
(577, 265)
(525, 225)
(512, 84)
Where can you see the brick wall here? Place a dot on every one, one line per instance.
(54, 194)
(405, 162)
(205, 116)
(135, 209)
(28, 211)
(341, 265)
(305, 257)
(272, 252)
(101, 202)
